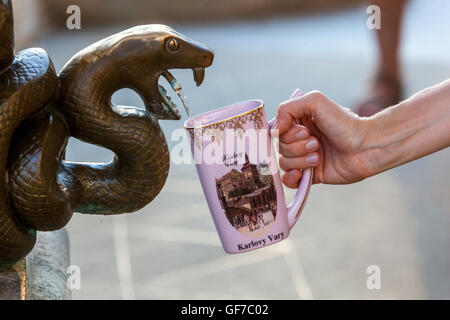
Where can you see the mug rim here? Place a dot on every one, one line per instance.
(260, 105)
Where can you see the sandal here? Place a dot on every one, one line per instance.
(386, 91)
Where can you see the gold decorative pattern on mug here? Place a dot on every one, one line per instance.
(236, 124)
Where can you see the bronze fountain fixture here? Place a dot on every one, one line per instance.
(40, 110)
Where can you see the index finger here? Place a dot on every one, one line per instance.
(293, 109)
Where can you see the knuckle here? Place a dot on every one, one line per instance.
(317, 98)
(282, 163)
(316, 94)
(281, 148)
(288, 150)
(282, 107)
(284, 138)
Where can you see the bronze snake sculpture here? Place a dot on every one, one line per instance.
(40, 110)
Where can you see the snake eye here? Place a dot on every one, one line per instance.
(172, 45)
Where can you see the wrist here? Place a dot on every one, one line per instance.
(385, 134)
(371, 146)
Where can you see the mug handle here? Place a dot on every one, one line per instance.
(296, 206)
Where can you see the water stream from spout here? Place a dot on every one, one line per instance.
(176, 86)
(184, 101)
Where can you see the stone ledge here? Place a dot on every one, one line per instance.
(13, 282)
(42, 275)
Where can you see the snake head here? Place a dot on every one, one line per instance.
(151, 51)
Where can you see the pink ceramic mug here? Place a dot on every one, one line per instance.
(238, 171)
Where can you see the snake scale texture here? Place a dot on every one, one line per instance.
(40, 110)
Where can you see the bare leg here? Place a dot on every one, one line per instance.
(386, 88)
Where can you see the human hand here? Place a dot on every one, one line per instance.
(330, 139)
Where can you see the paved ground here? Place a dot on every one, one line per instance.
(399, 220)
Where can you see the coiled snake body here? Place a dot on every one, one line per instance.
(39, 111)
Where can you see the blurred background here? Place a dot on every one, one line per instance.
(398, 220)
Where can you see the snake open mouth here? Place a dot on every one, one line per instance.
(199, 76)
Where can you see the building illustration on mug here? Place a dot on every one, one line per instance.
(248, 197)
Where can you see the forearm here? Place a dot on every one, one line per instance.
(412, 129)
